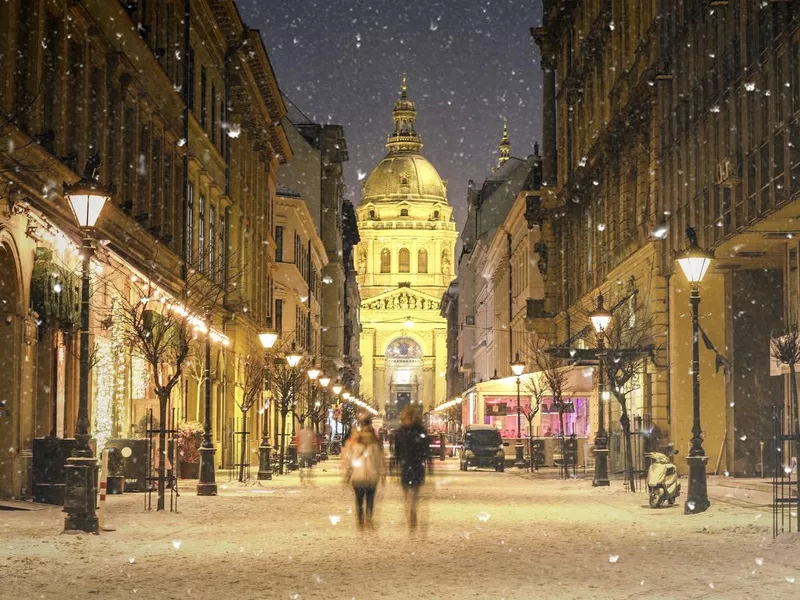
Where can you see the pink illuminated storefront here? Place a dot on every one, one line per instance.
(501, 411)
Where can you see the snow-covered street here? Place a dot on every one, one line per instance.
(485, 535)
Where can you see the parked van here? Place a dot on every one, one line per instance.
(482, 446)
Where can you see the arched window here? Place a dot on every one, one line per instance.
(386, 261)
(372, 214)
(436, 215)
(404, 260)
(422, 261)
(403, 212)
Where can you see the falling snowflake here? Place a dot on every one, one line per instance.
(759, 561)
(483, 516)
(176, 544)
(335, 519)
(361, 174)
(612, 558)
(235, 130)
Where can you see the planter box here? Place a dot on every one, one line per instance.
(115, 485)
(190, 470)
(47, 471)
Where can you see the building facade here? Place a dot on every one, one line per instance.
(186, 131)
(404, 263)
(659, 116)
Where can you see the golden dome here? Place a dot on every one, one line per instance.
(403, 175)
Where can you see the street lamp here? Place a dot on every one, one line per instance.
(86, 198)
(207, 484)
(337, 388)
(293, 358)
(694, 263)
(313, 373)
(518, 367)
(324, 381)
(346, 395)
(601, 318)
(267, 339)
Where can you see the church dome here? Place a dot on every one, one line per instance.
(403, 174)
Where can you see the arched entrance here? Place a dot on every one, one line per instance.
(404, 372)
(10, 332)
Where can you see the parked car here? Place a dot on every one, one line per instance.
(482, 446)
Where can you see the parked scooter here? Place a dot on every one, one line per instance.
(662, 480)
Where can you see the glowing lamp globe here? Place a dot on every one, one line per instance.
(346, 395)
(293, 358)
(337, 388)
(87, 198)
(600, 317)
(324, 381)
(517, 367)
(695, 261)
(268, 339)
(313, 373)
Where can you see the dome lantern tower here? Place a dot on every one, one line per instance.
(404, 138)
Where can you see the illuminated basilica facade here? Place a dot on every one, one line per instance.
(404, 265)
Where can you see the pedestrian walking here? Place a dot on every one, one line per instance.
(411, 449)
(306, 447)
(362, 458)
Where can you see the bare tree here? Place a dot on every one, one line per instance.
(254, 369)
(286, 381)
(161, 328)
(536, 388)
(785, 348)
(555, 378)
(629, 346)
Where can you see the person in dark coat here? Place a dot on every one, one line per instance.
(411, 447)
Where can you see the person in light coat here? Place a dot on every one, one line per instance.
(363, 463)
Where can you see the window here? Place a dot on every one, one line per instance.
(404, 260)
(372, 214)
(213, 114)
(279, 317)
(190, 225)
(436, 215)
(212, 246)
(203, 108)
(201, 235)
(386, 261)
(279, 243)
(190, 80)
(422, 261)
(403, 212)
(223, 247)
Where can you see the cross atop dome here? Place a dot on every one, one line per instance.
(404, 138)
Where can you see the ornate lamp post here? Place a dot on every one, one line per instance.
(518, 368)
(694, 263)
(267, 339)
(207, 484)
(86, 198)
(324, 382)
(600, 320)
(313, 373)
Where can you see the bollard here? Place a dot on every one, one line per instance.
(442, 446)
(101, 513)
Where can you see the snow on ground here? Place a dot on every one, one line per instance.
(484, 535)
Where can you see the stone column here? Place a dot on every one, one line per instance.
(548, 49)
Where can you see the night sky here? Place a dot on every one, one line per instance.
(469, 62)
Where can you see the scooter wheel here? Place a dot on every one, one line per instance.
(671, 501)
(656, 498)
